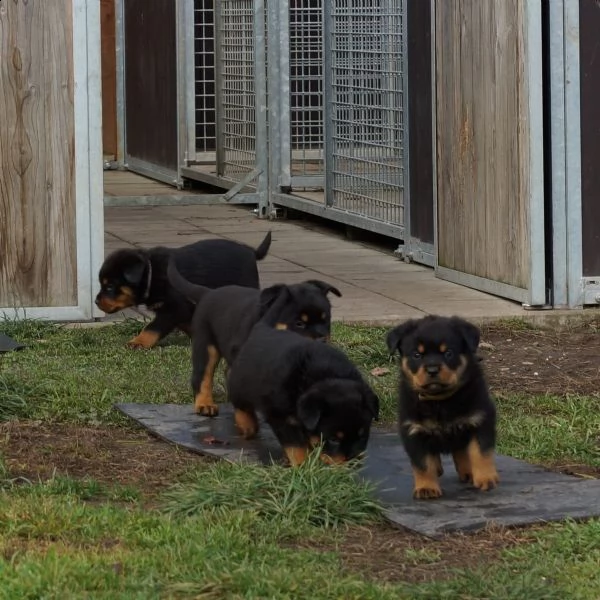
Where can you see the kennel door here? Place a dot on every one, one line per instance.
(150, 78)
(489, 138)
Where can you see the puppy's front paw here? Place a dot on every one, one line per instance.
(207, 410)
(145, 340)
(427, 492)
(246, 423)
(486, 481)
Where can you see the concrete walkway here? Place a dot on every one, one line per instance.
(377, 287)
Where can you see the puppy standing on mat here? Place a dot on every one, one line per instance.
(224, 317)
(130, 277)
(444, 403)
(308, 393)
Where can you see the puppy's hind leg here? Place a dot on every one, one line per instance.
(205, 358)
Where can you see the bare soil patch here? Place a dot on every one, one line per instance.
(109, 455)
(535, 361)
(385, 554)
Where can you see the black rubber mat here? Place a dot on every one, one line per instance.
(526, 494)
(8, 344)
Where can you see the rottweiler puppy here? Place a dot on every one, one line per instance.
(444, 403)
(130, 277)
(225, 316)
(308, 392)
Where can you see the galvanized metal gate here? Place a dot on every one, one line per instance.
(356, 55)
(301, 101)
(365, 108)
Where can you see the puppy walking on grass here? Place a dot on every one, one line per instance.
(444, 404)
(132, 277)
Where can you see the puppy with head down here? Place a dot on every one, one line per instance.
(308, 393)
(224, 317)
(444, 404)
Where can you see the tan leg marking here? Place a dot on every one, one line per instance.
(295, 455)
(463, 465)
(485, 476)
(333, 459)
(426, 482)
(146, 339)
(203, 402)
(246, 422)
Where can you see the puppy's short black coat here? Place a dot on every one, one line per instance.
(444, 403)
(309, 393)
(225, 316)
(131, 277)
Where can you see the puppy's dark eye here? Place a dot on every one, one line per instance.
(448, 354)
(417, 355)
(300, 325)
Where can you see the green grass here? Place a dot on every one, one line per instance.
(242, 531)
(311, 494)
(56, 543)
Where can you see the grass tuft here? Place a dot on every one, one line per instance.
(311, 494)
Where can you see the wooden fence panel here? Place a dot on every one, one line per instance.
(483, 139)
(109, 78)
(37, 149)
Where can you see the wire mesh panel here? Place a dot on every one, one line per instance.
(306, 86)
(204, 53)
(236, 156)
(365, 107)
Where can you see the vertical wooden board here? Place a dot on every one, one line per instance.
(517, 263)
(37, 145)
(446, 68)
(589, 66)
(151, 81)
(109, 77)
(483, 139)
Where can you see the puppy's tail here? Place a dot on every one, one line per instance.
(262, 250)
(191, 291)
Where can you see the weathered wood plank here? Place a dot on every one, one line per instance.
(109, 77)
(37, 146)
(483, 139)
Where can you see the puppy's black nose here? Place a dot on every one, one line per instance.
(432, 369)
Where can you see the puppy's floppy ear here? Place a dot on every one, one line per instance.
(371, 402)
(134, 271)
(309, 409)
(395, 336)
(470, 333)
(269, 295)
(325, 287)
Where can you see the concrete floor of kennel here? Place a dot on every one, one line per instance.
(377, 287)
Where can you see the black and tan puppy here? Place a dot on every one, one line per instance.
(308, 393)
(444, 403)
(225, 316)
(131, 277)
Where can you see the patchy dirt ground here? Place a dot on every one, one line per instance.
(536, 361)
(392, 555)
(109, 455)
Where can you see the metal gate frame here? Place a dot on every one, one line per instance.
(247, 184)
(570, 288)
(282, 183)
(535, 295)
